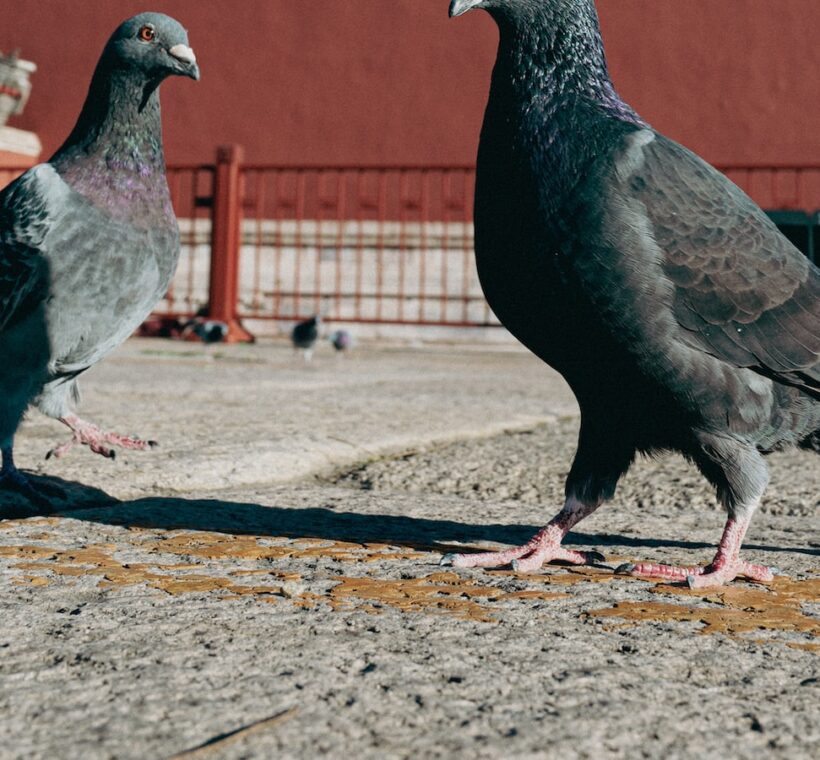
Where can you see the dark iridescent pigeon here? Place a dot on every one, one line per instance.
(679, 315)
(305, 335)
(89, 241)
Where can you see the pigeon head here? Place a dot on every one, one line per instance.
(549, 48)
(544, 15)
(459, 7)
(120, 125)
(152, 45)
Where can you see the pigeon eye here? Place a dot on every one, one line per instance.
(147, 34)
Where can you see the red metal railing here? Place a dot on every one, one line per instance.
(360, 244)
(192, 191)
(380, 244)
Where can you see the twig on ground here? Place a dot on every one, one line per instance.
(222, 740)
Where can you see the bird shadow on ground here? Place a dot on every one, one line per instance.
(245, 518)
(14, 506)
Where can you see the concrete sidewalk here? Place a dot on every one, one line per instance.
(228, 416)
(234, 605)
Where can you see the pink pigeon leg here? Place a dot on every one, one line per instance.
(88, 434)
(544, 546)
(725, 567)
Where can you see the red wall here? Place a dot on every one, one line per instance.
(396, 81)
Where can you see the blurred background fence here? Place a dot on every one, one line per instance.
(381, 244)
(377, 244)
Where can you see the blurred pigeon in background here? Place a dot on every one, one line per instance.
(674, 308)
(89, 241)
(341, 340)
(204, 329)
(200, 327)
(304, 336)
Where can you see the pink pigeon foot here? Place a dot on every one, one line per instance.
(725, 567)
(88, 434)
(544, 546)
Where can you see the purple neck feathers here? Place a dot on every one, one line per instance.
(114, 155)
(552, 55)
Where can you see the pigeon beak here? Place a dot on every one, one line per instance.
(457, 7)
(186, 57)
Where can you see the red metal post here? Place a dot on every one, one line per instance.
(226, 235)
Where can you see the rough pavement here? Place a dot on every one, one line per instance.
(268, 584)
(240, 415)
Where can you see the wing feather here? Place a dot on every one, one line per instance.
(740, 291)
(28, 207)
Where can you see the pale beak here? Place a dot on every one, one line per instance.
(457, 7)
(187, 59)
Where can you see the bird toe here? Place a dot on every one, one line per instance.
(448, 560)
(627, 568)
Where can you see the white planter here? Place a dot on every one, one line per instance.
(15, 86)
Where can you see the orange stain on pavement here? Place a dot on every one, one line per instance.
(446, 592)
(734, 610)
(242, 566)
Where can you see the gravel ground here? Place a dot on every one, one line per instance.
(308, 617)
(530, 467)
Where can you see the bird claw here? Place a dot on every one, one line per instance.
(626, 569)
(90, 435)
(718, 573)
(523, 559)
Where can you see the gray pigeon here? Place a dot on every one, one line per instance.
(676, 311)
(341, 340)
(89, 241)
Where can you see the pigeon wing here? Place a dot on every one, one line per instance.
(696, 261)
(25, 217)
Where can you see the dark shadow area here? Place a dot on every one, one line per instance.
(74, 495)
(240, 518)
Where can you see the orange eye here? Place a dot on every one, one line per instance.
(147, 34)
